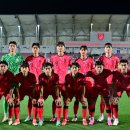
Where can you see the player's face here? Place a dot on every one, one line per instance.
(3, 68)
(99, 69)
(12, 47)
(60, 48)
(48, 70)
(123, 67)
(74, 69)
(108, 49)
(35, 49)
(83, 52)
(25, 70)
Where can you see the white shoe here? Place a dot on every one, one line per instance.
(74, 119)
(101, 118)
(10, 122)
(115, 122)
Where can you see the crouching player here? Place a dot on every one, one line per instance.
(121, 82)
(74, 87)
(99, 78)
(25, 82)
(6, 83)
(48, 82)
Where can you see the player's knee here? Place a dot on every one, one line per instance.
(108, 111)
(84, 107)
(76, 102)
(92, 110)
(65, 107)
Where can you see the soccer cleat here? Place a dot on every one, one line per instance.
(101, 118)
(17, 122)
(58, 123)
(40, 123)
(10, 122)
(5, 119)
(64, 122)
(53, 119)
(34, 123)
(28, 119)
(115, 122)
(74, 119)
(109, 123)
(91, 122)
(85, 122)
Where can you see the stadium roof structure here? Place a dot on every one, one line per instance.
(72, 26)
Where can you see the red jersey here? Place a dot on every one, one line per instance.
(101, 80)
(49, 83)
(75, 84)
(122, 80)
(6, 82)
(36, 64)
(25, 83)
(85, 65)
(110, 62)
(60, 65)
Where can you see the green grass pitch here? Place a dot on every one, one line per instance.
(124, 118)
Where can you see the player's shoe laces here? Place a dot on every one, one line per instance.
(85, 122)
(101, 118)
(91, 121)
(16, 122)
(53, 119)
(109, 123)
(115, 122)
(5, 119)
(75, 119)
(28, 119)
(58, 123)
(64, 122)
(34, 122)
(40, 123)
(10, 122)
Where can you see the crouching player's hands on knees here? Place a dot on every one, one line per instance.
(40, 102)
(115, 100)
(10, 100)
(17, 101)
(58, 101)
(34, 101)
(83, 101)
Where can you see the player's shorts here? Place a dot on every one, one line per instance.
(46, 94)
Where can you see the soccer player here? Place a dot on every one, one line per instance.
(25, 83)
(36, 62)
(48, 82)
(74, 87)
(61, 63)
(110, 62)
(14, 60)
(121, 82)
(101, 78)
(86, 64)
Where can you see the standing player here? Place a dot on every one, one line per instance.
(86, 64)
(75, 87)
(60, 63)
(110, 62)
(36, 62)
(48, 82)
(121, 82)
(14, 60)
(25, 85)
(101, 78)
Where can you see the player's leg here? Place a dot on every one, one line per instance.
(102, 107)
(53, 111)
(34, 109)
(29, 118)
(75, 109)
(5, 109)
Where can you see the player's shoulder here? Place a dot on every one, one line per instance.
(41, 56)
(9, 73)
(114, 56)
(81, 75)
(4, 55)
(29, 57)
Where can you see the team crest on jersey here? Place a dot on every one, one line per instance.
(100, 36)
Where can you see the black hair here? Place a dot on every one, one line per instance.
(99, 63)
(48, 64)
(83, 47)
(4, 62)
(13, 42)
(60, 43)
(124, 61)
(36, 44)
(108, 44)
(24, 64)
(75, 64)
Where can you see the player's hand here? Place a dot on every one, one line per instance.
(10, 101)
(58, 101)
(17, 101)
(83, 101)
(115, 100)
(34, 101)
(67, 101)
(40, 102)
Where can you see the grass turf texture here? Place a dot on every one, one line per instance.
(124, 118)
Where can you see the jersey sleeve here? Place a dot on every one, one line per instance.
(41, 80)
